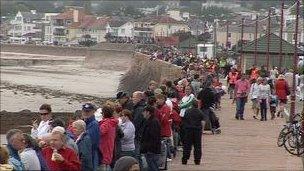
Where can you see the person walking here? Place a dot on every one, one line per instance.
(282, 91)
(193, 124)
(84, 144)
(128, 129)
(242, 87)
(232, 78)
(254, 92)
(150, 144)
(264, 94)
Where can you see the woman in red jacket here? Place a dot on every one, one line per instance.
(282, 91)
(107, 127)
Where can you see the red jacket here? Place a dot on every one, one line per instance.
(163, 114)
(107, 128)
(281, 87)
(71, 160)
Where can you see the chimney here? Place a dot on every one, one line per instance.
(75, 16)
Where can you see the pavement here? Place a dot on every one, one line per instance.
(242, 145)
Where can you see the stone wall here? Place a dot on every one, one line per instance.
(46, 50)
(22, 120)
(143, 70)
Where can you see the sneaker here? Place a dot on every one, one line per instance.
(184, 162)
(236, 117)
(242, 118)
(197, 162)
(169, 160)
(254, 117)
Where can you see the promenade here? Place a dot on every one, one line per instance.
(242, 145)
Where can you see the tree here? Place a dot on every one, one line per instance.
(211, 13)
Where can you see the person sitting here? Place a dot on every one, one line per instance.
(84, 144)
(58, 156)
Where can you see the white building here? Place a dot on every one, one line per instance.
(120, 28)
(48, 27)
(26, 27)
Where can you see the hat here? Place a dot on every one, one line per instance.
(120, 95)
(88, 107)
(124, 163)
(58, 129)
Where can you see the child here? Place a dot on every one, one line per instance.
(273, 103)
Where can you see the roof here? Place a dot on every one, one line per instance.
(288, 48)
(65, 15)
(117, 23)
(159, 19)
(32, 16)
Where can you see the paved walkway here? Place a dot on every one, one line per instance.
(243, 145)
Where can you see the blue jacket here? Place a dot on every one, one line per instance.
(14, 158)
(92, 128)
(85, 152)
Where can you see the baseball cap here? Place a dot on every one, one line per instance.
(88, 107)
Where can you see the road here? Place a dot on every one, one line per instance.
(243, 145)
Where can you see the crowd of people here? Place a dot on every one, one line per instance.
(266, 90)
(143, 130)
(134, 40)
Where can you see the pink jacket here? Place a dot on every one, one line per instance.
(107, 128)
(242, 88)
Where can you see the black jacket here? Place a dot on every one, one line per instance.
(128, 105)
(193, 118)
(207, 97)
(151, 140)
(138, 119)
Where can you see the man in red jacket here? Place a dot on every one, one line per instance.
(58, 156)
(163, 114)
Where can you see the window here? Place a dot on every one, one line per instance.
(28, 28)
(250, 36)
(123, 31)
(203, 49)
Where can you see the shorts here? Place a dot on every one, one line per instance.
(255, 103)
(284, 101)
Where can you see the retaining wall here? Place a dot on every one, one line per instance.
(44, 49)
(21, 120)
(143, 70)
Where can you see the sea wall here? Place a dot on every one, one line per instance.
(44, 49)
(143, 70)
(22, 120)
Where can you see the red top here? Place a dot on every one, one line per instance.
(233, 76)
(163, 115)
(107, 128)
(71, 160)
(281, 87)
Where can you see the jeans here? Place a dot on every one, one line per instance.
(152, 159)
(192, 137)
(169, 146)
(263, 109)
(127, 153)
(137, 152)
(240, 106)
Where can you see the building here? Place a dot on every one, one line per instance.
(274, 51)
(178, 15)
(120, 28)
(166, 26)
(73, 16)
(48, 28)
(92, 27)
(143, 27)
(26, 27)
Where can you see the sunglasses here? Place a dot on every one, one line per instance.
(43, 114)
